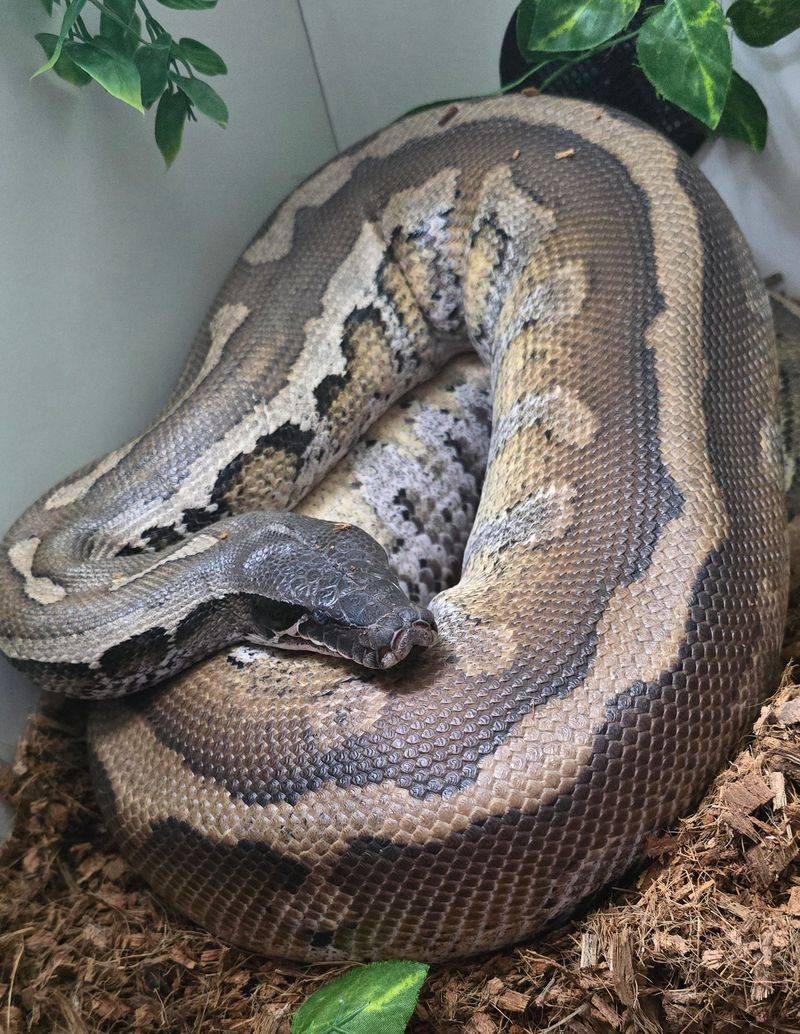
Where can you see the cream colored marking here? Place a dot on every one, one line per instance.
(276, 242)
(198, 544)
(89, 645)
(541, 303)
(408, 208)
(542, 516)
(225, 323)
(75, 490)
(432, 260)
(560, 411)
(527, 223)
(43, 590)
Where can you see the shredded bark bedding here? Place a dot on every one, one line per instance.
(707, 938)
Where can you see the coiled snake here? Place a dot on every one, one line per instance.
(624, 584)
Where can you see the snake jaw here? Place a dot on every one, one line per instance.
(380, 645)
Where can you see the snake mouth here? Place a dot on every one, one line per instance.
(421, 632)
(378, 646)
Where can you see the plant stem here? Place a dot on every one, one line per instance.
(527, 75)
(569, 62)
(115, 18)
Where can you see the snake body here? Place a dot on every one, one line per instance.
(624, 582)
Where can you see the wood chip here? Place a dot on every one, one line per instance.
(516, 154)
(789, 713)
(513, 1001)
(570, 151)
(530, 91)
(481, 1023)
(792, 906)
(448, 115)
(589, 949)
(494, 987)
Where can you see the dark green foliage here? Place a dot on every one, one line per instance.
(132, 56)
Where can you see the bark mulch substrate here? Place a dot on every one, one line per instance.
(707, 938)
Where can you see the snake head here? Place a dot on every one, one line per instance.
(331, 590)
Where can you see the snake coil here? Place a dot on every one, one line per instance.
(620, 607)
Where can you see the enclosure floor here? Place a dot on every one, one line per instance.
(706, 939)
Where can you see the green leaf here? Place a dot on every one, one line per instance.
(685, 52)
(205, 97)
(112, 69)
(201, 57)
(124, 36)
(189, 5)
(48, 6)
(71, 14)
(170, 119)
(64, 67)
(760, 23)
(568, 25)
(526, 12)
(152, 60)
(744, 117)
(376, 999)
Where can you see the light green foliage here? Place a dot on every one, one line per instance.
(567, 25)
(763, 22)
(108, 66)
(64, 68)
(685, 52)
(376, 999)
(132, 56)
(71, 15)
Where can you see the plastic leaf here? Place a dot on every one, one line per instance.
(189, 5)
(112, 69)
(744, 117)
(71, 14)
(375, 999)
(125, 36)
(64, 67)
(201, 57)
(760, 23)
(152, 60)
(204, 97)
(569, 25)
(685, 52)
(170, 119)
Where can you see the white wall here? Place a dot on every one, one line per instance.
(107, 262)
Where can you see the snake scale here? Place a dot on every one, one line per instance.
(620, 608)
